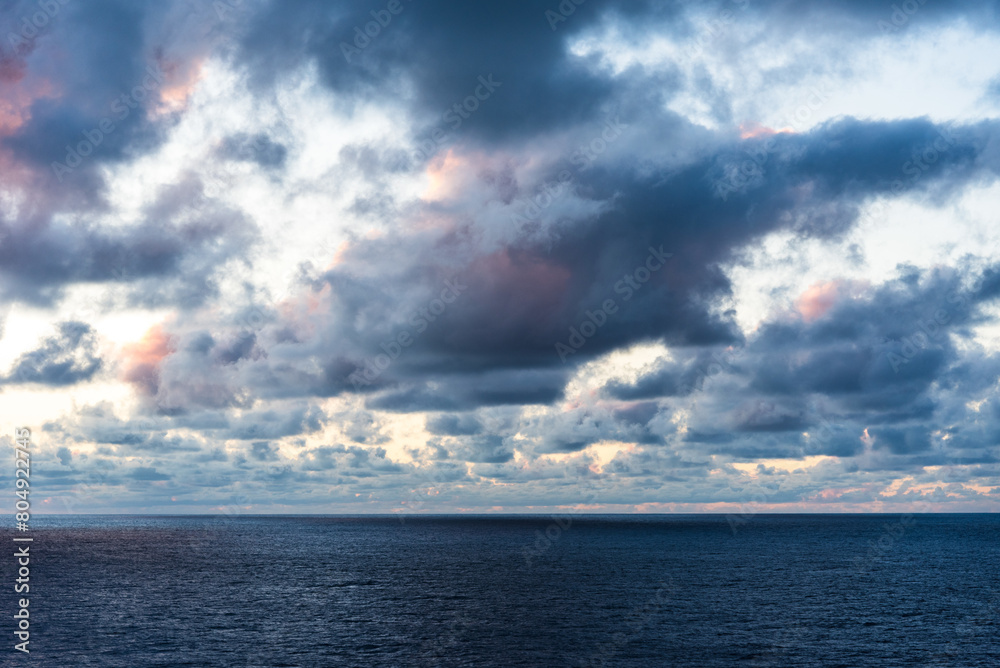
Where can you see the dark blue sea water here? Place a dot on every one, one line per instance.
(792, 590)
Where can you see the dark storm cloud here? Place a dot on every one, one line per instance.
(96, 54)
(454, 425)
(92, 80)
(67, 358)
(494, 342)
(639, 413)
(238, 348)
(460, 392)
(163, 260)
(684, 374)
(456, 44)
(559, 283)
(766, 416)
(879, 353)
(888, 363)
(902, 441)
(441, 49)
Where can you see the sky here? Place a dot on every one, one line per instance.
(402, 256)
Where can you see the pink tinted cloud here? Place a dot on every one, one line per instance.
(142, 359)
(819, 298)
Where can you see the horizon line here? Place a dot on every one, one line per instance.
(510, 514)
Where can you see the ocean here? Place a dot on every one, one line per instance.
(574, 590)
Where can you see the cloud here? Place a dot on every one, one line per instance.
(369, 302)
(259, 148)
(170, 258)
(69, 357)
(454, 425)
